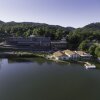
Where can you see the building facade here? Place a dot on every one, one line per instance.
(71, 54)
(59, 55)
(59, 45)
(83, 55)
(36, 43)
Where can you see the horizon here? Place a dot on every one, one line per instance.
(65, 13)
(45, 23)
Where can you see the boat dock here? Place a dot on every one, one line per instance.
(89, 65)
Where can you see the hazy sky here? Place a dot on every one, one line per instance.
(76, 13)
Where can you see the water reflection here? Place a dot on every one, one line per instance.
(0, 65)
(39, 61)
(4, 61)
(13, 60)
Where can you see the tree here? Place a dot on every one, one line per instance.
(84, 45)
(92, 49)
(27, 33)
(97, 51)
(73, 40)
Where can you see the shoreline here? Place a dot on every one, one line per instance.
(22, 54)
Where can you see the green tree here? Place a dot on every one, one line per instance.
(97, 51)
(92, 49)
(27, 33)
(84, 45)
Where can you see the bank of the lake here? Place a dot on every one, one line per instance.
(19, 55)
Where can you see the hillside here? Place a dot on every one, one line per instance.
(1, 22)
(26, 29)
(86, 38)
(93, 26)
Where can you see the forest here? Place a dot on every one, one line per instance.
(86, 38)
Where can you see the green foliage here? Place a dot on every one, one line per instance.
(90, 32)
(26, 29)
(73, 40)
(76, 38)
(92, 49)
(84, 45)
(97, 51)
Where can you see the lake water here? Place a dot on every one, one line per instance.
(38, 79)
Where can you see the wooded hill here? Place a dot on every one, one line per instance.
(26, 29)
(86, 38)
(80, 38)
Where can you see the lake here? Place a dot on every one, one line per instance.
(38, 79)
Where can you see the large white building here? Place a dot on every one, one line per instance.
(71, 54)
(59, 55)
(83, 54)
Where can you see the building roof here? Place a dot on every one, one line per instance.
(32, 35)
(99, 58)
(29, 39)
(82, 53)
(58, 54)
(63, 40)
(69, 52)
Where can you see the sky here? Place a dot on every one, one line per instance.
(74, 13)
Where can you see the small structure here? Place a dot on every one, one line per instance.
(89, 65)
(71, 54)
(83, 54)
(60, 56)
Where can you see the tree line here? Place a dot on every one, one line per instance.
(25, 29)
